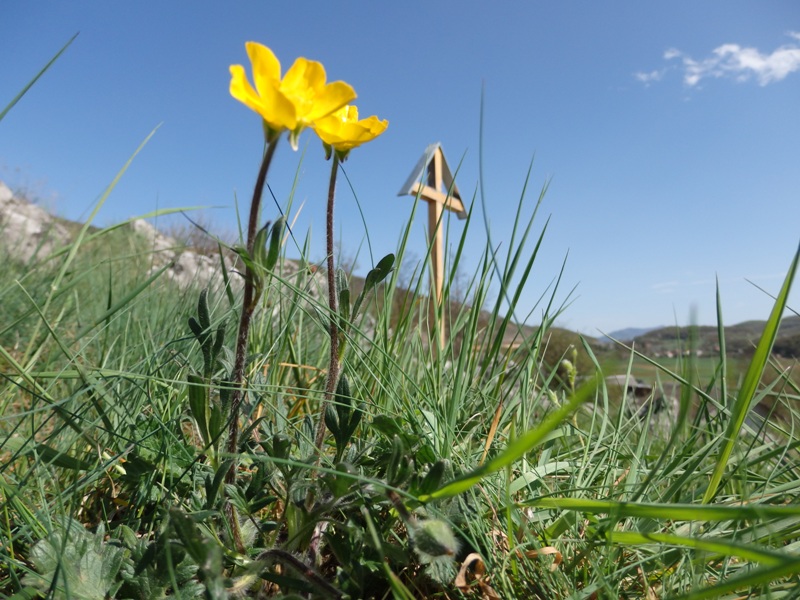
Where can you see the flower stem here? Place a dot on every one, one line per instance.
(333, 366)
(248, 307)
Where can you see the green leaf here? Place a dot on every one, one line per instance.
(433, 478)
(189, 535)
(219, 339)
(344, 401)
(203, 314)
(281, 445)
(60, 459)
(198, 405)
(73, 563)
(260, 247)
(381, 271)
(216, 423)
(397, 469)
(213, 486)
(355, 418)
(387, 426)
(225, 277)
(197, 330)
(275, 244)
(332, 421)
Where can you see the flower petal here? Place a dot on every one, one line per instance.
(241, 89)
(274, 107)
(332, 98)
(304, 76)
(266, 67)
(344, 131)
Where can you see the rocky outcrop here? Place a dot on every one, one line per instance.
(30, 233)
(185, 267)
(28, 230)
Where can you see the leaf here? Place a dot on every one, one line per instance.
(433, 478)
(189, 535)
(475, 561)
(203, 314)
(260, 247)
(748, 580)
(225, 278)
(332, 421)
(213, 486)
(386, 425)
(198, 405)
(219, 339)
(274, 244)
(381, 271)
(397, 469)
(50, 455)
(355, 419)
(717, 546)
(197, 330)
(344, 401)
(216, 423)
(73, 563)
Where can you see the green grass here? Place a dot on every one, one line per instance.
(114, 409)
(98, 430)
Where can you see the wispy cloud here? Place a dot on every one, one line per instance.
(731, 61)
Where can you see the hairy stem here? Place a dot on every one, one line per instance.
(333, 365)
(248, 307)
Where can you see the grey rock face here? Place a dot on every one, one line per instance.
(186, 267)
(26, 229)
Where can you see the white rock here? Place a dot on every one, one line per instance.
(27, 230)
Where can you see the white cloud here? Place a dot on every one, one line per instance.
(646, 78)
(735, 62)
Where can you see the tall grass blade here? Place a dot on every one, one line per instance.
(73, 248)
(750, 382)
(19, 96)
(748, 581)
(669, 511)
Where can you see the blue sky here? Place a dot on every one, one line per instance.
(668, 132)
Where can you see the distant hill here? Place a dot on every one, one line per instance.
(739, 339)
(627, 334)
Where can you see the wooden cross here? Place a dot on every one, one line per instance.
(432, 181)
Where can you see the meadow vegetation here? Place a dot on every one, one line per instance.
(498, 465)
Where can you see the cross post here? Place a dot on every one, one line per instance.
(432, 181)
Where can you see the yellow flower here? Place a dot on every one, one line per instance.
(343, 131)
(292, 103)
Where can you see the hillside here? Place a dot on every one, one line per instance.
(740, 339)
(31, 233)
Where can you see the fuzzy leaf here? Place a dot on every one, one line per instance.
(274, 244)
(373, 278)
(198, 405)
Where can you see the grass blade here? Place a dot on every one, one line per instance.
(750, 382)
(36, 78)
